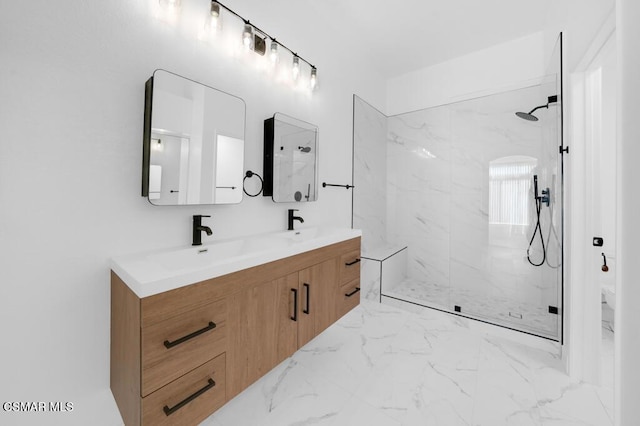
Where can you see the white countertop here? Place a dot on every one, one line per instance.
(158, 271)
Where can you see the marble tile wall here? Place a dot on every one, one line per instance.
(370, 280)
(369, 174)
(419, 190)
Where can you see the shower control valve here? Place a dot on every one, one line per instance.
(544, 198)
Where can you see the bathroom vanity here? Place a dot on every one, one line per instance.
(192, 328)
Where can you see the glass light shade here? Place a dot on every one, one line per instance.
(214, 19)
(247, 36)
(169, 10)
(313, 80)
(172, 5)
(296, 67)
(273, 51)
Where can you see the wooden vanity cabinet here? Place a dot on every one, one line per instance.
(177, 356)
(348, 294)
(263, 333)
(316, 304)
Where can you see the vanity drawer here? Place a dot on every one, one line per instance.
(348, 297)
(177, 345)
(189, 399)
(350, 266)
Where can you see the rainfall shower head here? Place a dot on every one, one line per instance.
(529, 115)
(305, 148)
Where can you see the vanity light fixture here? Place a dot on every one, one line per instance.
(157, 145)
(295, 70)
(273, 51)
(254, 38)
(313, 80)
(247, 35)
(170, 4)
(214, 19)
(169, 10)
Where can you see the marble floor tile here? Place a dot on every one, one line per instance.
(342, 356)
(357, 412)
(445, 397)
(395, 383)
(493, 308)
(291, 394)
(380, 365)
(580, 404)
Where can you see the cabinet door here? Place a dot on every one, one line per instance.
(317, 304)
(261, 331)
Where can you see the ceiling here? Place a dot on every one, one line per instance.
(404, 35)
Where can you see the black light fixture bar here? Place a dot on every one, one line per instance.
(264, 33)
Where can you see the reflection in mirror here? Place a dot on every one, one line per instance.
(193, 148)
(290, 159)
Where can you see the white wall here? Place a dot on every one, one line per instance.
(628, 321)
(71, 112)
(509, 65)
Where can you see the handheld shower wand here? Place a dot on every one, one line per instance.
(544, 198)
(539, 199)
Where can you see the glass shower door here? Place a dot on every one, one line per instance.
(500, 270)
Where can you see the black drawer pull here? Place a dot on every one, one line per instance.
(352, 263)
(308, 287)
(168, 411)
(295, 304)
(353, 292)
(169, 344)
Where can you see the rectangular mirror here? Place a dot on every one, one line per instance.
(193, 147)
(290, 159)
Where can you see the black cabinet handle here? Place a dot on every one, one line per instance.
(169, 344)
(352, 263)
(308, 287)
(168, 411)
(295, 304)
(353, 292)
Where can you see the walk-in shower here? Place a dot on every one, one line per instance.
(475, 195)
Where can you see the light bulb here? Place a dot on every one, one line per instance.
(247, 36)
(215, 17)
(273, 52)
(169, 9)
(157, 145)
(313, 80)
(296, 67)
(170, 3)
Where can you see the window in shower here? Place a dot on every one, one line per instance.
(509, 187)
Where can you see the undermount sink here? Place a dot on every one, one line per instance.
(155, 272)
(302, 234)
(198, 257)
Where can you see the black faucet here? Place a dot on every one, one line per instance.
(198, 228)
(292, 218)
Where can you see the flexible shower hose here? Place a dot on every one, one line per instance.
(537, 229)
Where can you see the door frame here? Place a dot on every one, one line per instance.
(582, 351)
